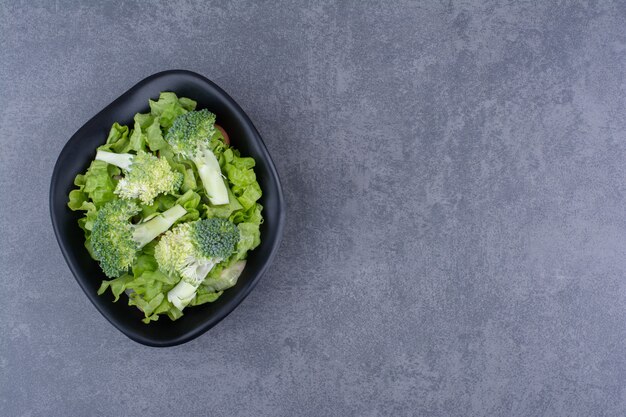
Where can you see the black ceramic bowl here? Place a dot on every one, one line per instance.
(79, 152)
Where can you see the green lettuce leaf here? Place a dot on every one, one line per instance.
(249, 238)
(78, 199)
(190, 202)
(223, 211)
(117, 141)
(250, 195)
(147, 288)
(187, 103)
(186, 168)
(204, 296)
(168, 107)
(117, 286)
(137, 138)
(154, 136)
(144, 120)
(99, 183)
(242, 178)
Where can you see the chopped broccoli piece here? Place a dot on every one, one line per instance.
(115, 240)
(190, 135)
(146, 175)
(191, 250)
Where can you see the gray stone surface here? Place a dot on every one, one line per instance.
(454, 173)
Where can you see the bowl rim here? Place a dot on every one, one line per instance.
(220, 314)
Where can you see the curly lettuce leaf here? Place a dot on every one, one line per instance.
(146, 287)
(242, 178)
(117, 141)
(187, 103)
(204, 296)
(252, 215)
(146, 134)
(249, 238)
(95, 186)
(168, 107)
(190, 202)
(154, 136)
(78, 203)
(117, 286)
(186, 168)
(223, 211)
(148, 291)
(137, 137)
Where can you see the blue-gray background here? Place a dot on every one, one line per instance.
(454, 173)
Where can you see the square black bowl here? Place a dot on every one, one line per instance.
(80, 151)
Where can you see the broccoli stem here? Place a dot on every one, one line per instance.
(192, 277)
(182, 294)
(121, 160)
(211, 176)
(146, 232)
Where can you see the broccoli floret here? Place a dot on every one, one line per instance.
(190, 135)
(146, 175)
(191, 250)
(115, 240)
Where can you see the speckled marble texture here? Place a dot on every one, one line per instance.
(455, 241)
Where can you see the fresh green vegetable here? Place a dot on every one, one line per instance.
(226, 278)
(146, 175)
(190, 135)
(191, 250)
(115, 241)
(172, 168)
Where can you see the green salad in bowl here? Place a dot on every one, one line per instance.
(170, 209)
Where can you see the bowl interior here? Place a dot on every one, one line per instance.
(80, 151)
